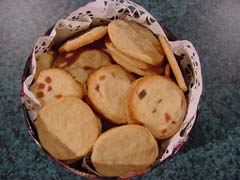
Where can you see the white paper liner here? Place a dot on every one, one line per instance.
(100, 12)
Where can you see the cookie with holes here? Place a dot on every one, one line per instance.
(80, 63)
(67, 128)
(83, 39)
(123, 150)
(55, 83)
(157, 103)
(107, 89)
(136, 41)
(131, 64)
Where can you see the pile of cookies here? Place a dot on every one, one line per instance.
(120, 73)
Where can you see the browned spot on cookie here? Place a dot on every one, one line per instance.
(101, 78)
(58, 96)
(160, 100)
(164, 131)
(49, 88)
(48, 79)
(167, 117)
(142, 94)
(113, 74)
(97, 87)
(41, 86)
(40, 94)
(87, 68)
(173, 122)
(154, 110)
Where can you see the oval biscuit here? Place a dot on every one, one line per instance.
(86, 38)
(128, 62)
(123, 150)
(67, 128)
(157, 103)
(107, 89)
(135, 41)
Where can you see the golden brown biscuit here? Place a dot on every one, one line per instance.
(173, 63)
(107, 89)
(67, 128)
(133, 62)
(54, 84)
(123, 150)
(158, 104)
(135, 41)
(130, 63)
(84, 39)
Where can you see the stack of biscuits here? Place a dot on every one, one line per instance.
(120, 73)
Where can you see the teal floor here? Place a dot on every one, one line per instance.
(213, 150)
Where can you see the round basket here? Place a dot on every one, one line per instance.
(184, 51)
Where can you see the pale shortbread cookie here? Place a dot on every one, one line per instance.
(43, 61)
(123, 150)
(67, 128)
(130, 63)
(54, 84)
(83, 63)
(133, 62)
(173, 63)
(87, 37)
(135, 41)
(157, 103)
(107, 88)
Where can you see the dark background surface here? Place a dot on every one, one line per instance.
(213, 149)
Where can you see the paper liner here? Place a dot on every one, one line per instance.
(101, 12)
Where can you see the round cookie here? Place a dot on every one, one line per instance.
(54, 84)
(107, 89)
(123, 150)
(84, 63)
(86, 38)
(67, 128)
(135, 41)
(130, 63)
(157, 103)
